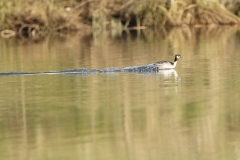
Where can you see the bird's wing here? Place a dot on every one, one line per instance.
(163, 62)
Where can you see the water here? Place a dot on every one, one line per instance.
(188, 113)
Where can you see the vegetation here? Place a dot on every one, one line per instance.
(31, 17)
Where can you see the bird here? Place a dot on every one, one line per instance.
(167, 64)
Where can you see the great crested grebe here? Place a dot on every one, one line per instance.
(167, 64)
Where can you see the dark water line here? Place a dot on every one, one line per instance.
(138, 69)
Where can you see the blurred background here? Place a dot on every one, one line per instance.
(191, 112)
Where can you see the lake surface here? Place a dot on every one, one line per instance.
(192, 112)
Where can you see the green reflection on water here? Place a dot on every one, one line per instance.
(124, 115)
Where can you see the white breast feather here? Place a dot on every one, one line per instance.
(166, 64)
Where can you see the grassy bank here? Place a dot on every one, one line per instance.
(31, 17)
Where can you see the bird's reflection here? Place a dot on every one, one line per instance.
(168, 74)
(170, 80)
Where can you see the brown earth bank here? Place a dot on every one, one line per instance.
(29, 18)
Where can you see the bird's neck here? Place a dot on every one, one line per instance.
(175, 59)
(174, 63)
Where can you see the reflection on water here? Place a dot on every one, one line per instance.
(188, 113)
(168, 74)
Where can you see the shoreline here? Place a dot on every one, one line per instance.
(30, 18)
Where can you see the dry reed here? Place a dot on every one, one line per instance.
(29, 17)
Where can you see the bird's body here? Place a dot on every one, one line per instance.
(167, 64)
